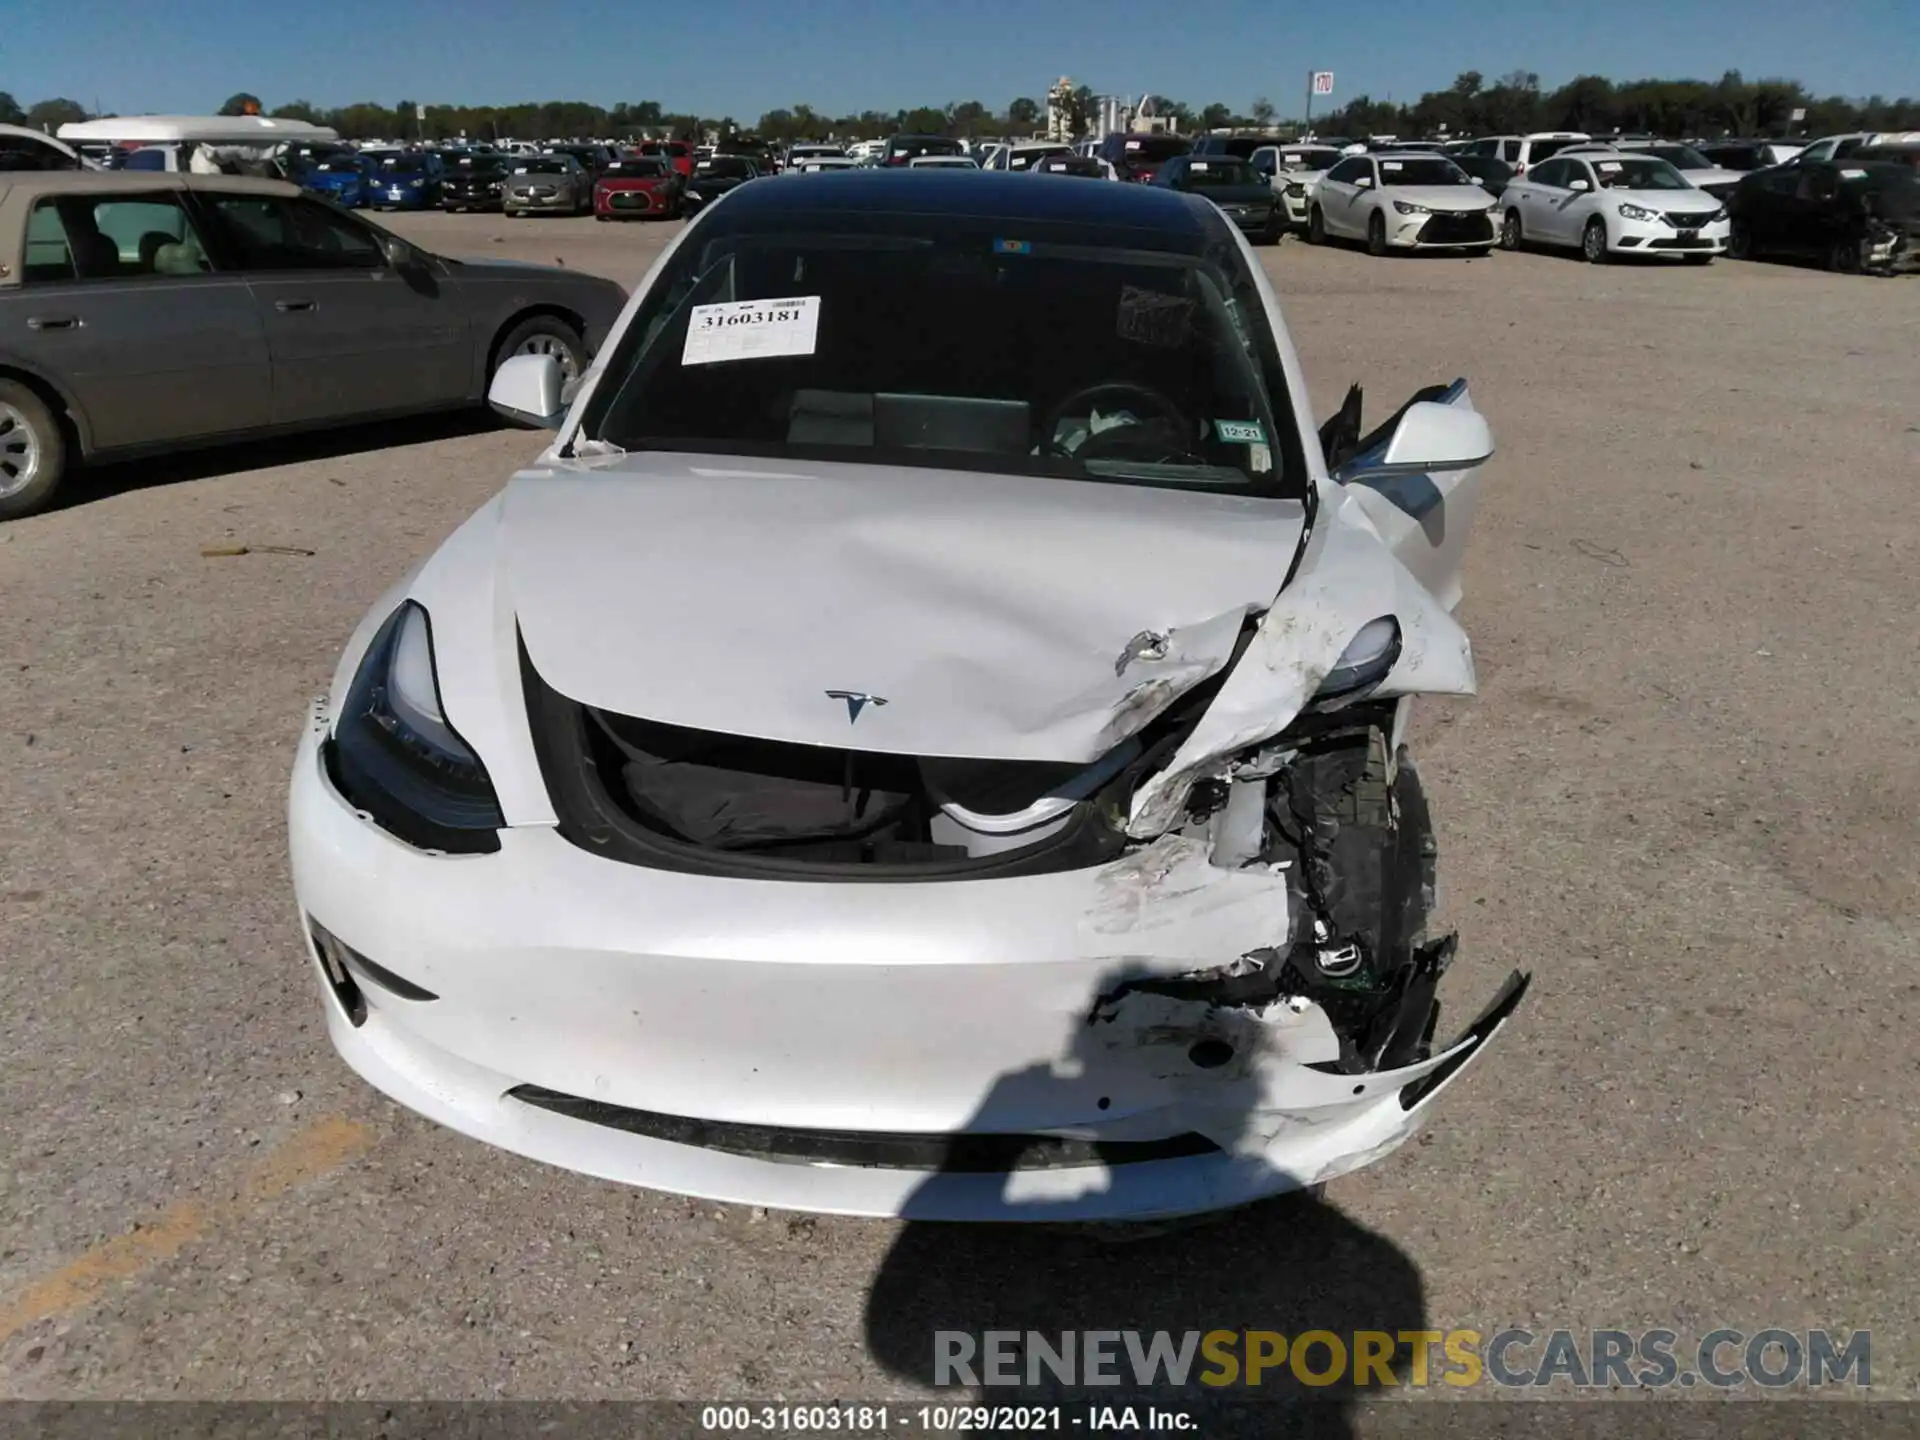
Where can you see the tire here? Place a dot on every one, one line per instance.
(1593, 242)
(1510, 236)
(1316, 227)
(549, 335)
(33, 452)
(1376, 234)
(1739, 241)
(1843, 258)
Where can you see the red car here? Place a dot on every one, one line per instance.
(638, 188)
(679, 152)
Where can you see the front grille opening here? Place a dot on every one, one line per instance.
(870, 1150)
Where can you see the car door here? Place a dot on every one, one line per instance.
(1342, 196)
(118, 303)
(349, 335)
(1266, 160)
(1569, 198)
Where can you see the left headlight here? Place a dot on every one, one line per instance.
(1719, 214)
(395, 755)
(1637, 212)
(1407, 207)
(415, 183)
(1369, 656)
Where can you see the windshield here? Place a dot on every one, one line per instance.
(1309, 159)
(943, 341)
(917, 145)
(1432, 171)
(630, 169)
(1152, 149)
(1219, 171)
(404, 163)
(1681, 157)
(548, 166)
(340, 165)
(725, 167)
(1638, 172)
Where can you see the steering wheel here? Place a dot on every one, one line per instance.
(1148, 398)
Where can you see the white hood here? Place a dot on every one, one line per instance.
(1463, 199)
(990, 613)
(1679, 202)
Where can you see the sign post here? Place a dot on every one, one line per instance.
(1319, 82)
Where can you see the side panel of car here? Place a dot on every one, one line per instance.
(348, 335)
(114, 310)
(1343, 196)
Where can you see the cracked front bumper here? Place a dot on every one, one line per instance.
(923, 1011)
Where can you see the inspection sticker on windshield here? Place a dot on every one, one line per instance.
(1607, 167)
(1391, 165)
(1247, 432)
(752, 330)
(1199, 166)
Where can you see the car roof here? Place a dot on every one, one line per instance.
(38, 183)
(1385, 156)
(1180, 221)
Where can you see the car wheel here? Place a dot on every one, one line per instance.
(1510, 237)
(1316, 227)
(1739, 241)
(1376, 234)
(546, 335)
(33, 451)
(1593, 241)
(1844, 257)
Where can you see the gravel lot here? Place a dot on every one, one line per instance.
(1684, 798)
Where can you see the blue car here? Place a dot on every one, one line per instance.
(341, 178)
(405, 180)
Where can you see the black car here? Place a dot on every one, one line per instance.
(473, 183)
(1489, 173)
(1139, 157)
(1086, 167)
(1242, 192)
(1239, 146)
(905, 149)
(1854, 214)
(593, 158)
(715, 176)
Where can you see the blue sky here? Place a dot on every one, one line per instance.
(741, 57)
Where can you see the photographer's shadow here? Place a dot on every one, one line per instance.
(1290, 1264)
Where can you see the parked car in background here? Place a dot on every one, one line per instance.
(1830, 147)
(819, 164)
(1402, 201)
(1522, 151)
(1490, 174)
(1022, 155)
(943, 162)
(1613, 203)
(476, 183)
(1241, 192)
(803, 150)
(1716, 180)
(1293, 171)
(1748, 155)
(593, 158)
(677, 153)
(644, 187)
(1852, 215)
(340, 177)
(1083, 167)
(409, 180)
(1241, 147)
(1138, 158)
(175, 310)
(547, 184)
(902, 149)
(25, 149)
(715, 176)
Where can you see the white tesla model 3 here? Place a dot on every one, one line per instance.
(926, 737)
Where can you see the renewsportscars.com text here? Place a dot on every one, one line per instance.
(1723, 1359)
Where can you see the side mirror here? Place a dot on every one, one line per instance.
(526, 389)
(1431, 436)
(400, 255)
(1365, 182)
(1578, 185)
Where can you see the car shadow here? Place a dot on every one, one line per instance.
(120, 477)
(1285, 1265)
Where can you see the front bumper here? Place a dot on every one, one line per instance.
(562, 201)
(1252, 219)
(921, 1012)
(1659, 237)
(635, 203)
(1296, 207)
(1440, 230)
(404, 197)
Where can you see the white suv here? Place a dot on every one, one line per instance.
(1520, 151)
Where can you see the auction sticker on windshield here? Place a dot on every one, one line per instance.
(752, 330)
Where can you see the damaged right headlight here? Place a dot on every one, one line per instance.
(395, 756)
(1366, 661)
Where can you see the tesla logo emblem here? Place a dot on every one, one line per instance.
(856, 701)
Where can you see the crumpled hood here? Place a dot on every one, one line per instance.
(986, 615)
(1461, 199)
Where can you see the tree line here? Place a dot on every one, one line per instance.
(1513, 103)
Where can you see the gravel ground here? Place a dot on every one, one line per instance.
(1683, 798)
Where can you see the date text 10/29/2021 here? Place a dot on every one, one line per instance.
(940, 1419)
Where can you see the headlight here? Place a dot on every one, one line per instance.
(1295, 187)
(395, 756)
(494, 188)
(693, 194)
(1364, 663)
(415, 183)
(1637, 212)
(1407, 207)
(1719, 214)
